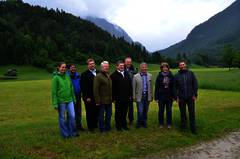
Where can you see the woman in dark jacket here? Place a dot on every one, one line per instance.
(164, 94)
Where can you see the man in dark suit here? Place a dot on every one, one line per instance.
(88, 96)
(122, 95)
(129, 68)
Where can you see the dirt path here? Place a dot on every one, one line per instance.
(227, 147)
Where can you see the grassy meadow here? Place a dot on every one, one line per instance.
(29, 125)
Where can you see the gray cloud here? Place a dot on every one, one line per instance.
(155, 23)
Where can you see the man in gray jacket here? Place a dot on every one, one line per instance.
(142, 94)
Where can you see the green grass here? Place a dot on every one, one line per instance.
(213, 78)
(29, 126)
(208, 78)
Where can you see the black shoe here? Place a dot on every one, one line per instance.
(119, 130)
(194, 132)
(81, 129)
(91, 130)
(138, 126)
(76, 135)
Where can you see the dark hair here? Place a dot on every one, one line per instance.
(180, 61)
(164, 64)
(118, 62)
(60, 64)
(70, 65)
(90, 60)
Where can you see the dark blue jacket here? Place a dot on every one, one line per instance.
(76, 82)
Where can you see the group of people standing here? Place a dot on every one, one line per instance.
(99, 89)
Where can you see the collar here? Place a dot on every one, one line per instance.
(143, 74)
(94, 70)
(120, 72)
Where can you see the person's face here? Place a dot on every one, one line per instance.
(105, 68)
(143, 68)
(128, 62)
(91, 65)
(62, 68)
(182, 66)
(73, 69)
(165, 69)
(120, 67)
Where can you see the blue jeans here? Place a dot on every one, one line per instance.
(67, 122)
(142, 110)
(104, 117)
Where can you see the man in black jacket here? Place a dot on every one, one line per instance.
(87, 95)
(186, 88)
(122, 95)
(129, 68)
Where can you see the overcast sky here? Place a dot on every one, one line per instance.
(157, 24)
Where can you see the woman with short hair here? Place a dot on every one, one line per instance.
(164, 94)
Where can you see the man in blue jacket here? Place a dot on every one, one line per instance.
(76, 80)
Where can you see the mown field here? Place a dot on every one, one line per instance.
(29, 126)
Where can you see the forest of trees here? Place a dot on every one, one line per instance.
(37, 36)
(41, 37)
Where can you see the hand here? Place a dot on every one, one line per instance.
(88, 100)
(97, 104)
(194, 98)
(177, 101)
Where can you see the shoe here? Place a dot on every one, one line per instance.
(80, 129)
(138, 126)
(161, 126)
(119, 130)
(194, 132)
(76, 135)
(126, 129)
(91, 129)
(169, 127)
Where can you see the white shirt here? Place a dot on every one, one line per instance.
(93, 72)
(122, 72)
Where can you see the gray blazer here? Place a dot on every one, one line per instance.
(137, 87)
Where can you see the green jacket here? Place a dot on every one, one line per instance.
(102, 89)
(62, 89)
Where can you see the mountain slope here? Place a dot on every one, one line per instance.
(38, 36)
(210, 36)
(113, 29)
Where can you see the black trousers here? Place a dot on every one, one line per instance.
(91, 114)
(130, 112)
(78, 111)
(165, 104)
(191, 110)
(121, 109)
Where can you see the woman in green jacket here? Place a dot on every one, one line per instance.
(63, 99)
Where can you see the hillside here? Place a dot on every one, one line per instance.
(38, 36)
(210, 36)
